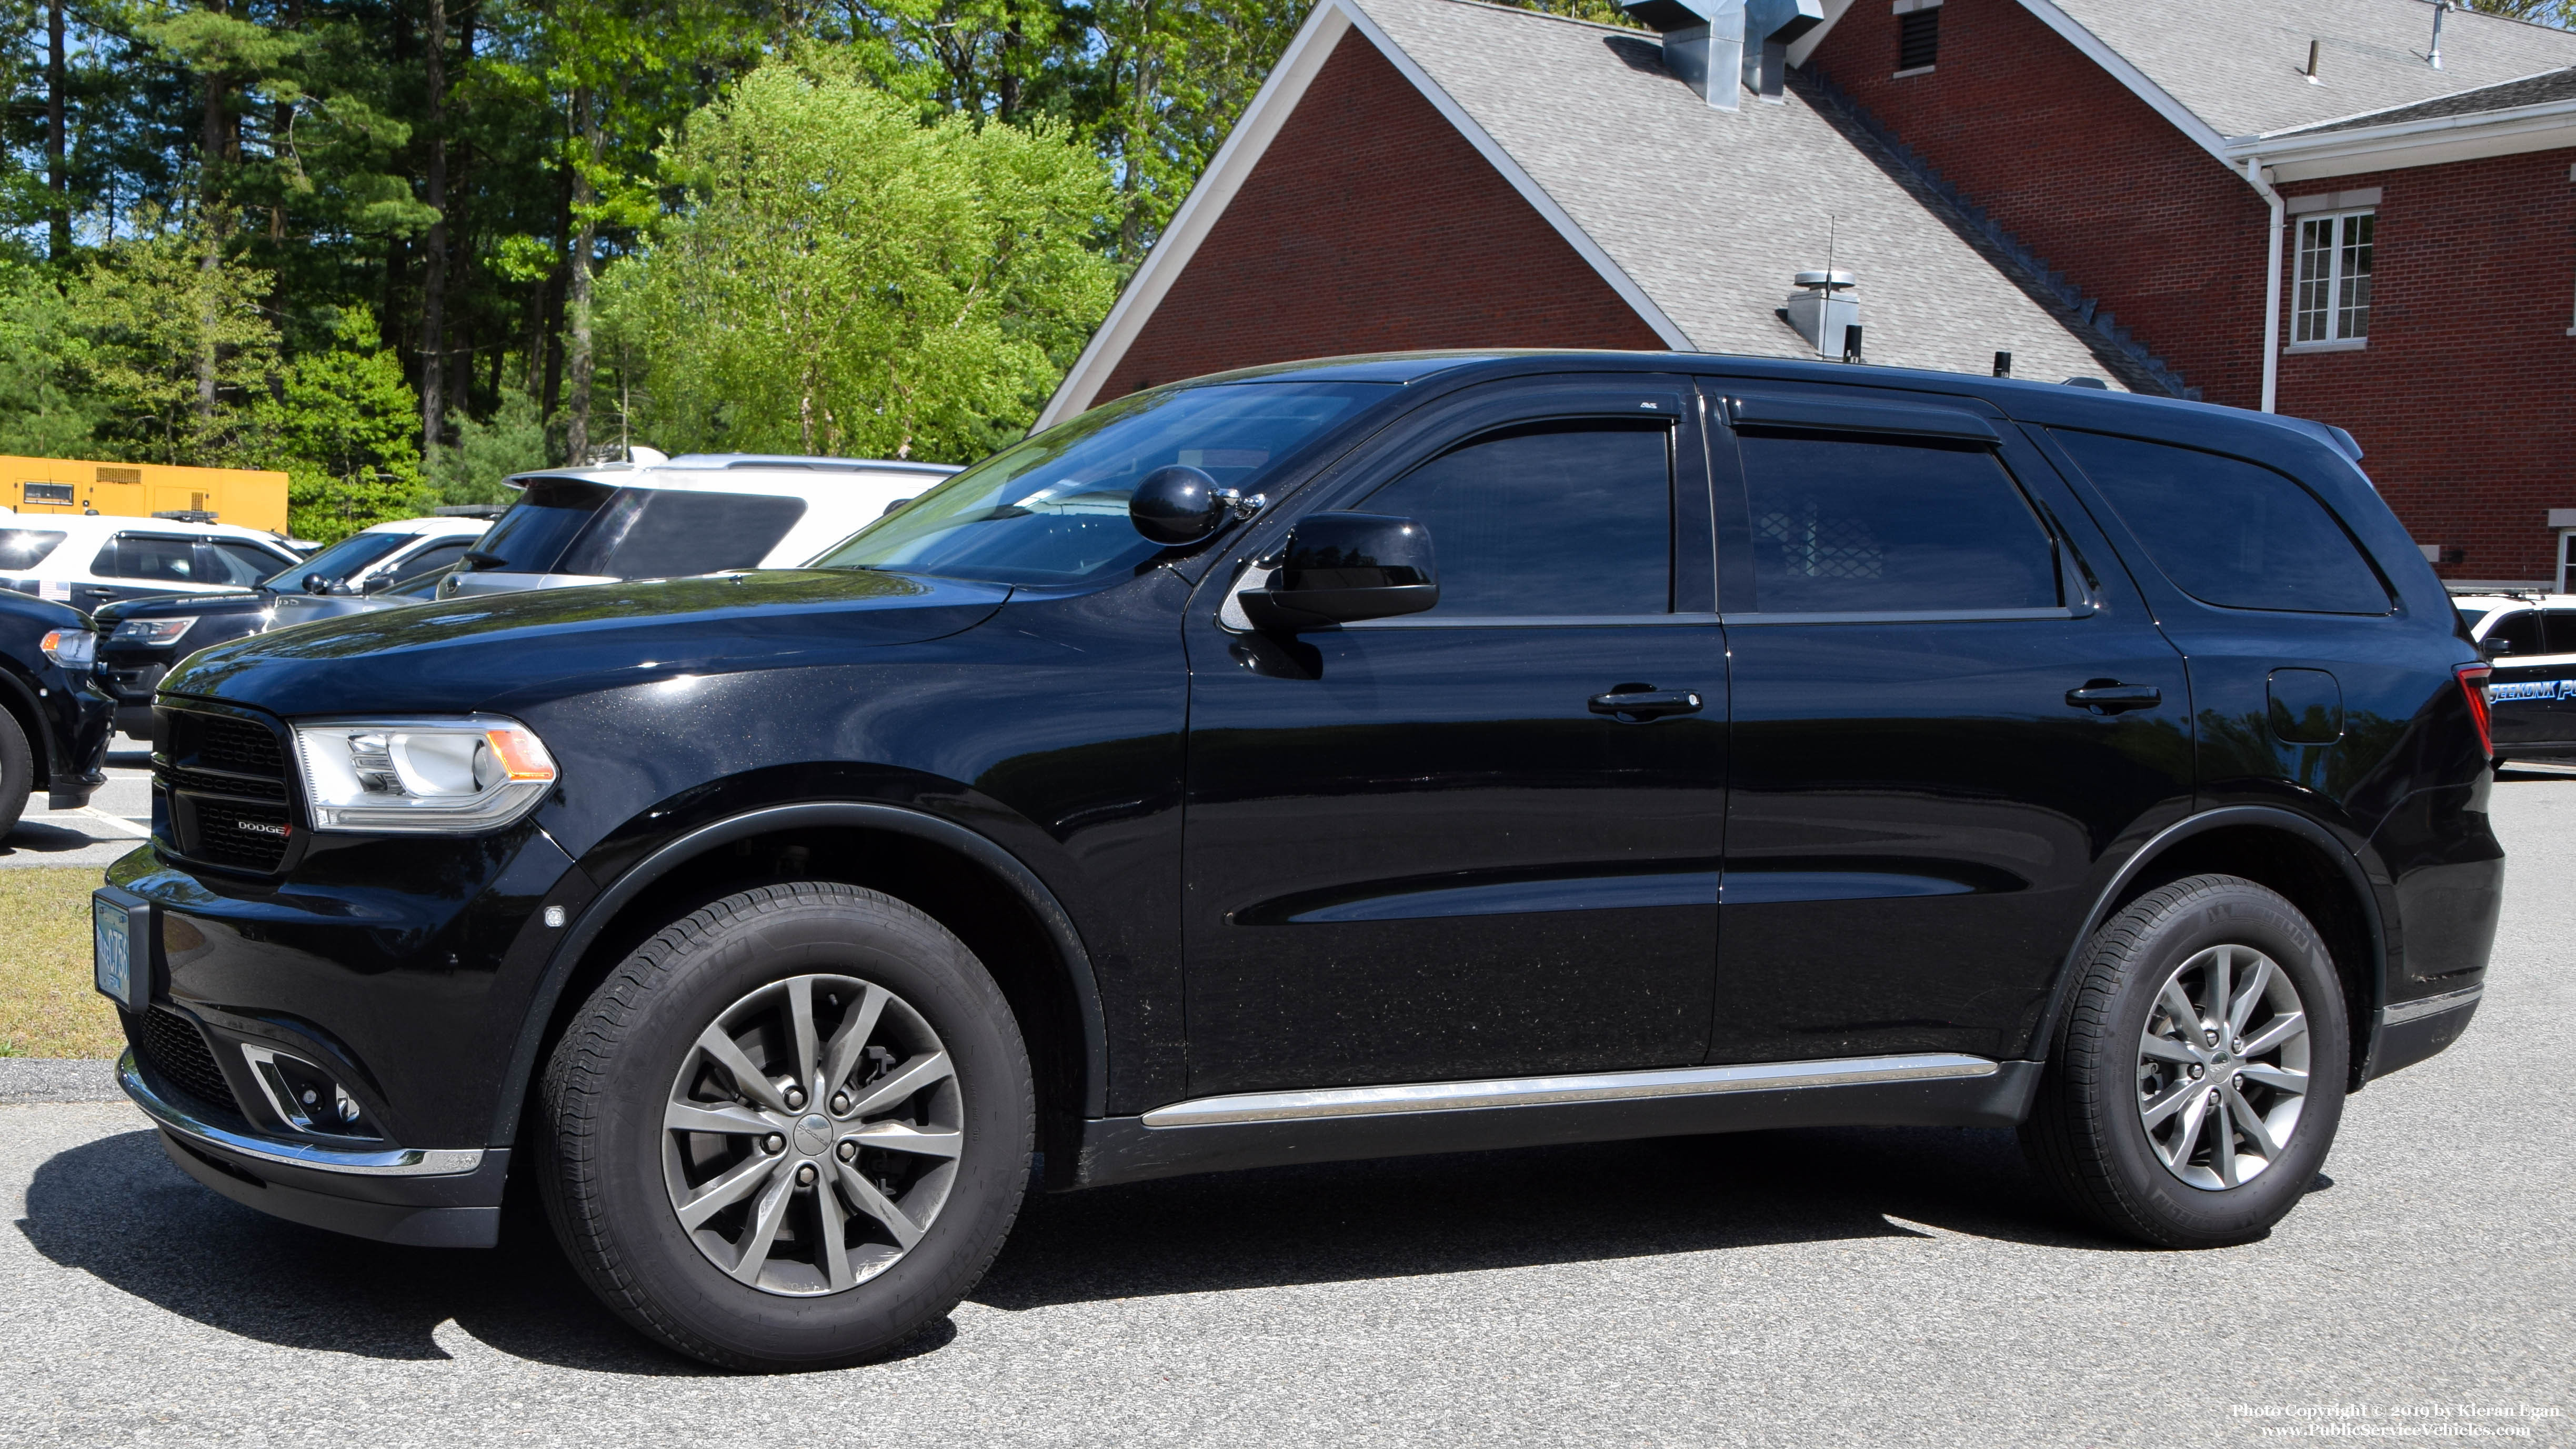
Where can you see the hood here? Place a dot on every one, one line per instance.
(167, 606)
(506, 650)
(42, 613)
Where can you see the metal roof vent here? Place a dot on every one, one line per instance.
(1822, 309)
(1714, 46)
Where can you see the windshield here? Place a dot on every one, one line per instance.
(1054, 509)
(339, 561)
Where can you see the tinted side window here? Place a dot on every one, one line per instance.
(161, 560)
(239, 563)
(2516, 633)
(660, 533)
(429, 560)
(2558, 631)
(1557, 519)
(1849, 525)
(2228, 532)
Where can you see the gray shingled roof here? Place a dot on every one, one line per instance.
(2533, 90)
(2236, 65)
(1710, 211)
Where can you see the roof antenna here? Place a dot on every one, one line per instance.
(2440, 8)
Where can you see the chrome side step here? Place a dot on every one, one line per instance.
(2406, 1011)
(1500, 1092)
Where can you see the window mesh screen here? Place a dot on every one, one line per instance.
(1918, 39)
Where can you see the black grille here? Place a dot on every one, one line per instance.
(239, 747)
(174, 1050)
(209, 782)
(252, 837)
(225, 777)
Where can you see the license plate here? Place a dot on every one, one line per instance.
(111, 935)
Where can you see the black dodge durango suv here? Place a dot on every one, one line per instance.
(1355, 758)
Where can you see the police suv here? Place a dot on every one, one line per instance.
(1385, 755)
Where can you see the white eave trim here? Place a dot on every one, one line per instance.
(1233, 165)
(2306, 155)
(2117, 65)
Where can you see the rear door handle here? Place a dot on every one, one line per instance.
(2109, 696)
(1631, 705)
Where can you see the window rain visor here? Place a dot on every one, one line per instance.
(1053, 510)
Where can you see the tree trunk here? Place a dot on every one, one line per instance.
(433, 282)
(57, 179)
(585, 238)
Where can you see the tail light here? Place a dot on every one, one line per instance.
(2473, 685)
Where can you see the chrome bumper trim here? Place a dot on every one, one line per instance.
(387, 1162)
(1559, 1091)
(2406, 1011)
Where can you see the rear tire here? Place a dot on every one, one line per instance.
(794, 1024)
(17, 772)
(2169, 1117)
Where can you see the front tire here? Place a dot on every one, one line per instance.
(789, 1131)
(2200, 1077)
(17, 772)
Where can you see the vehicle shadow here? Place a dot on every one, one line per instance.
(1404, 1217)
(117, 1209)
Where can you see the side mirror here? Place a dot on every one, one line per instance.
(377, 585)
(2494, 647)
(1178, 506)
(1341, 567)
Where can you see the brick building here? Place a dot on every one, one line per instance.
(1434, 173)
(2419, 220)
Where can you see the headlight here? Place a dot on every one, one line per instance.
(454, 775)
(73, 649)
(153, 631)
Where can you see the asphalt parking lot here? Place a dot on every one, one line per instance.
(1818, 1287)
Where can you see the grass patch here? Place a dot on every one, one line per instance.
(47, 1006)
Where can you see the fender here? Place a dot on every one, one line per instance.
(895, 819)
(2061, 999)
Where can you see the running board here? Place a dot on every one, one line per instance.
(1259, 1129)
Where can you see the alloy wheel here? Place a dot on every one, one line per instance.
(812, 1135)
(2223, 1067)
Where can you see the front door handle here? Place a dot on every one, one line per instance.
(1637, 703)
(2110, 696)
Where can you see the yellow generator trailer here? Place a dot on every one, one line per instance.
(249, 497)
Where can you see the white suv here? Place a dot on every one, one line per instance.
(700, 513)
(86, 560)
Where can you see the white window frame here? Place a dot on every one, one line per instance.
(2322, 319)
(2566, 560)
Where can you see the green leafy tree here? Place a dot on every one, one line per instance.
(177, 344)
(45, 411)
(846, 280)
(345, 427)
(470, 470)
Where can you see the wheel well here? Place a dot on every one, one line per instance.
(976, 906)
(2304, 874)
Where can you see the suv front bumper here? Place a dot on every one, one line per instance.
(429, 1198)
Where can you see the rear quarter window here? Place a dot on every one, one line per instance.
(660, 533)
(24, 548)
(2228, 532)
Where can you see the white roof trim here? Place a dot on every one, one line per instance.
(2549, 126)
(1243, 149)
(2201, 132)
